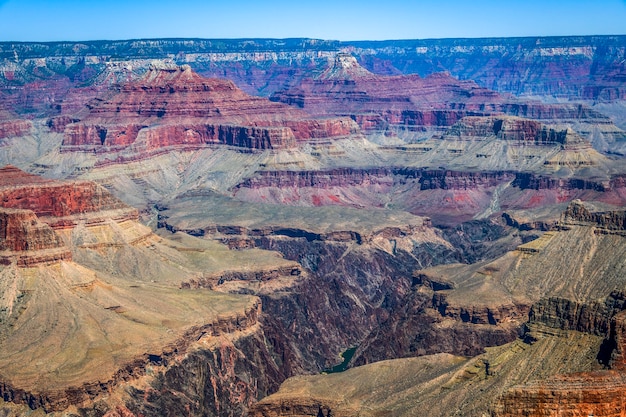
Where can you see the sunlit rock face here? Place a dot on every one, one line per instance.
(175, 107)
(413, 103)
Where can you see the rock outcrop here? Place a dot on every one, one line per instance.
(15, 128)
(175, 107)
(578, 213)
(583, 393)
(522, 130)
(380, 103)
(31, 207)
(590, 394)
(58, 203)
(26, 241)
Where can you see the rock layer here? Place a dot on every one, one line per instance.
(15, 128)
(409, 102)
(177, 107)
(59, 203)
(26, 241)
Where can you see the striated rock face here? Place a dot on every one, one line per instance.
(526, 181)
(26, 241)
(588, 394)
(31, 207)
(578, 213)
(426, 178)
(15, 128)
(381, 102)
(579, 394)
(57, 201)
(173, 106)
(514, 129)
(447, 196)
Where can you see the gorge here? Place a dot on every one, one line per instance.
(202, 227)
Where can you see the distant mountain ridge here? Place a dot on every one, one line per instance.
(594, 69)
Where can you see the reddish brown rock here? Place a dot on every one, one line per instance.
(15, 128)
(579, 395)
(58, 124)
(177, 107)
(27, 241)
(377, 101)
(59, 203)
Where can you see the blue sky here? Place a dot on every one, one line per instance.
(50, 20)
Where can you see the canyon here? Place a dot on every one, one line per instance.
(210, 227)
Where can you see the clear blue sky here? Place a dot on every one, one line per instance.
(49, 20)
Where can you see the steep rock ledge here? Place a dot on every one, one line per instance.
(578, 213)
(61, 400)
(59, 203)
(15, 128)
(588, 394)
(427, 178)
(173, 107)
(26, 241)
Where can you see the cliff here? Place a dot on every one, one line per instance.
(15, 128)
(26, 241)
(58, 203)
(119, 306)
(175, 107)
(440, 384)
(448, 196)
(582, 393)
(42, 78)
(578, 213)
(31, 207)
(523, 130)
(598, 394)
(394, 103)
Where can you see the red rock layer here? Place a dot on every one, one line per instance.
(177, 107)
(15, 128)
(58, 124)
(579, 395)
(376, 101)
(27, 241)
(56, 200)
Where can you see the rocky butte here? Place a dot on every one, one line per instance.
(401, 104)
(175, 107)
